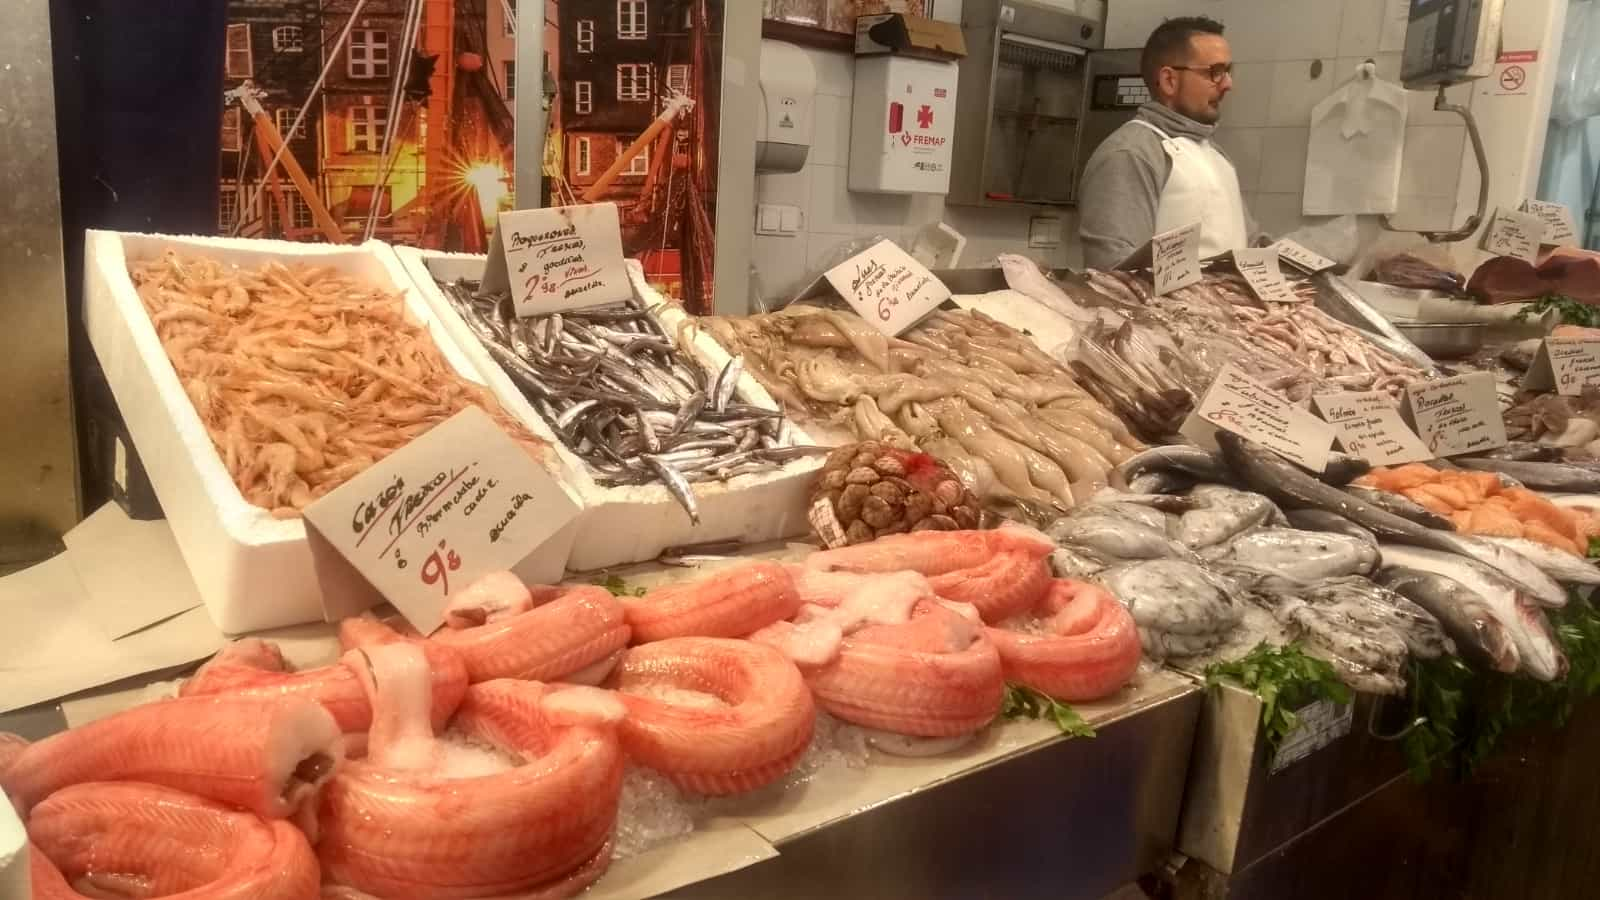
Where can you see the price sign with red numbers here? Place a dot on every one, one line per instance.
(564, 257)
(457, 503)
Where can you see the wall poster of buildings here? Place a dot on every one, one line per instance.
(394, 119)
(839, 15)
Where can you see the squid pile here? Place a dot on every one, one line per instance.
(488, 759)
(618, 393)
(303, 377)
(980, 396)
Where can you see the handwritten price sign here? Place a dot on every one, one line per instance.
(1456, 415)
(1567, 364)
(1238, 403)
(457, 503)
(565, 257)
(887, 287)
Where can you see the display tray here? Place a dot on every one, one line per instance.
(622, 525)
(234, 549)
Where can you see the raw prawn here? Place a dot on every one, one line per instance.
(565, 630)
(399, 825)
(730, 603)
(713, 715)
(265, 755)
(129, 839)
(1090, 650)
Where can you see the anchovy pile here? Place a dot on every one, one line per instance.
(617, 391)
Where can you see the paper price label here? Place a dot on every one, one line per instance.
(1298, 256)
(887, 287)
(1259, 268)
(565, 257)
(1456, 415)
(1240, 404)
(1175, 258)
(1565, 364)
(1514, 234)
(1369, 427)
(457, 503)
(1557, 218)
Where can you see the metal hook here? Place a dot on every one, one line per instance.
(1372, 724)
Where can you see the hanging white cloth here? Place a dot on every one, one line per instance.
(1358, 137)
(1202, 187)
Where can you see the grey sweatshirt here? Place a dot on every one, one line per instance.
(1122, 186)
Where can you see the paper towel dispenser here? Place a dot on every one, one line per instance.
(788, 103)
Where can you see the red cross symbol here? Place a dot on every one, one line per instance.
(925, 116)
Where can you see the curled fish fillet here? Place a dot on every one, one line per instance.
(397, 825)
(568, 629)
(713, 715)
(932, 552)
(1008, 584)
(247, 669)
(265, 755)
(130, 839)
(729, 604)
(1091, 648)
(933, 676)
(495, 596)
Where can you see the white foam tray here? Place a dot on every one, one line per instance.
(630, 524)
(253, 571)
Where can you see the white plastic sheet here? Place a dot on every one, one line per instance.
(1357, 136)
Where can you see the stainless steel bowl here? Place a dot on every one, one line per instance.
(1444, 340)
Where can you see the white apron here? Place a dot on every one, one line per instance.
(1204, 188)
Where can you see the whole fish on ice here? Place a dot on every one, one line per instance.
(1465, 616)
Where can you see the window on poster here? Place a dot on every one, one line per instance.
(633, 81)
(631, 20)
(581, 156)
(639, 165)
(369, 53)
(288, 39)
(231, 137)
(510, 80)
(227, 206)
(585, 35)
(283, 118)
(583, 97)
(240, 62)
(367, 124)
(678, 78)
(359, 205)
(508, 19)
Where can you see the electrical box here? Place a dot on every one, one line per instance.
(902, 123)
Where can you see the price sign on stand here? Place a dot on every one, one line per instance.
(1175, 258)
(1514, 234)
(1240, 404)
(887, 287)
(1259, 268)
(1558, 228)
(457, 503)
(565, 257)
(1565, 364)
(1301, 258)
(1369, 427)
(1456, 415)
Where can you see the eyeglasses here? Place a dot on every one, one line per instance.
(1216, 72)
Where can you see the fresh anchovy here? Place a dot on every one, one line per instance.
(1540, 476)
(679, 487)
(1464, 615)
(727, 380)
(566, 418)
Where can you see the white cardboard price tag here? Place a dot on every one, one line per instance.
(1301, 258)
(887, 287)
(1566, 364)
(1369, 426)
(1559, 230)
(1514, 234)
(457, 503)
(1259, 268)
(1175, 258)
(1240, 404)
(565, 257)
(1456, 415)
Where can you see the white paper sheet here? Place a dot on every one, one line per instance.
(1357, 138)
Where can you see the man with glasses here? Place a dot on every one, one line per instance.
(1161, 170)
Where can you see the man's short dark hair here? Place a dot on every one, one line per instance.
(1169, 44)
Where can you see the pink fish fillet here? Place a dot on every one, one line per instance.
(1010, 583)
(265, 755)
(495, 596)
(129, 839)
(567, 629)
(397, 825)
(755, 724)
(932, 552)
(1091, 650)
(731, 603)
(934, 676)
(244, 668)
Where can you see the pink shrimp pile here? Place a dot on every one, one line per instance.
(302, 376)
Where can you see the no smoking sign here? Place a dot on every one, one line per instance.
(1512, 69)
